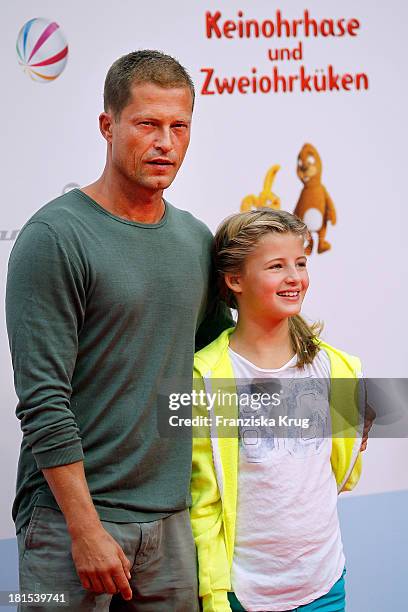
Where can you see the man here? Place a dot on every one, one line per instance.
(107, 287)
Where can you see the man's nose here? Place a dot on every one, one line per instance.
(163, 140)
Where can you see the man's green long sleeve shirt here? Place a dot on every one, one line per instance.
(100, 310)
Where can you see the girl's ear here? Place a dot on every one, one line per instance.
(233, 282)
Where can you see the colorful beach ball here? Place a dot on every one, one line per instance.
(42, 49)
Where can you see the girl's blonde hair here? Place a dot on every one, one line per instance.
(235, 239)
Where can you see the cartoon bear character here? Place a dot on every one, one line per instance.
(315, 207)
(266, 199)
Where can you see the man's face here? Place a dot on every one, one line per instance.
(150, 139)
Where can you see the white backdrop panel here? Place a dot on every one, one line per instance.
(51, 138)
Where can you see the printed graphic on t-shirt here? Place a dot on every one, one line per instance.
(297, 425)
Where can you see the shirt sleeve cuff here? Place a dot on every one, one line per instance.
(60, 456)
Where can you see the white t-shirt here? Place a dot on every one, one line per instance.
(288, 550)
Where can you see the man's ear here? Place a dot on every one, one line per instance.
(105, 126)
(233, 282)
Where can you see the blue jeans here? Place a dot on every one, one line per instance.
(333, 601)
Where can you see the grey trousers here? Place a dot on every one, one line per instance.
(161, 553)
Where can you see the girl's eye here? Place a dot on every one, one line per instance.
(302, 264)
(275, 266)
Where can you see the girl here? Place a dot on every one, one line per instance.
(264, 512)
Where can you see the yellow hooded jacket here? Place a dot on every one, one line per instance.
(215, 462)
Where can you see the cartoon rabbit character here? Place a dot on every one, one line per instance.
(315, 207)
(266, 199)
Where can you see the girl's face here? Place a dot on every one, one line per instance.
(274, 280)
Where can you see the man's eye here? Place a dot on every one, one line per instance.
(179, 125)
(146, 123)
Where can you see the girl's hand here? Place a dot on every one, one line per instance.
(368, 423)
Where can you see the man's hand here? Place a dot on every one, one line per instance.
(101, 564)
(369, 417)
